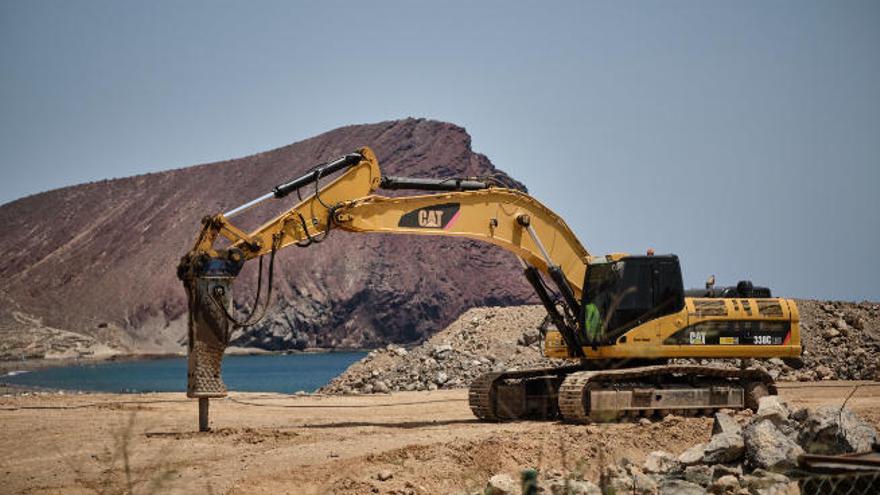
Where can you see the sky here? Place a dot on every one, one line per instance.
(742, 136)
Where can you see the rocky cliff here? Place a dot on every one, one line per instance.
(98, 260)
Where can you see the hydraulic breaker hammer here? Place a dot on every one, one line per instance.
(208, 284)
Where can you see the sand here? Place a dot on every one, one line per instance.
(270, 443)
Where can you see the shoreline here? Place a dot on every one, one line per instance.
(8, 369)
(7, 366)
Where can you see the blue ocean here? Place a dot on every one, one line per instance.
(285, 373)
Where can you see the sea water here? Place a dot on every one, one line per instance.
(284, 373)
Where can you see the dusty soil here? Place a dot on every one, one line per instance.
(268, 443)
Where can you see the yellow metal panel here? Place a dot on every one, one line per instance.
(487, 215)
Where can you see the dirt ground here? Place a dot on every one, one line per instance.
(267, 443)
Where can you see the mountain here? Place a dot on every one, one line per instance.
(94, 264)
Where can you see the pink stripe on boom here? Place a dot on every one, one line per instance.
(452, 221)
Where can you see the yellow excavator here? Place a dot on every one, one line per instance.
(624, 322)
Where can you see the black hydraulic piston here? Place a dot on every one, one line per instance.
(567, 294)
(419, 184)
(568, 334)
(346, 161)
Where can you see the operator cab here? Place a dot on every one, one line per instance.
(621, 294)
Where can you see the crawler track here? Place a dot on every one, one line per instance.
(577, 395)
(524, 394)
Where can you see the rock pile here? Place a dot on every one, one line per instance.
(747, 453)
(841, 341)
(480, 341)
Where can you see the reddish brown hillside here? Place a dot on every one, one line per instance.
(99, 259)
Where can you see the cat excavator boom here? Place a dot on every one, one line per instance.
(619, 319)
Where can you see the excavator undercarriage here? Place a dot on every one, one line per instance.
(578, 394)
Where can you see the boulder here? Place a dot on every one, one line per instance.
(772, 407)
(680, 487)
(724, 423)
(501, 484)
(699, 475)
(724, 447)
(800, 415)
(831, 430)
(693, 455)
(725, 485)
(768, 448)
(643, 484)
(660, 462)
(762, 482)
(720, 470)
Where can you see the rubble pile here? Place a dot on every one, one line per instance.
(480, 341)
(747, 453)
(841, 341)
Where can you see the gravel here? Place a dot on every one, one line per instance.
(480, 341)
(497, 339)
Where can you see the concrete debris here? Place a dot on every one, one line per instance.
(724, 423)
(693, 455)
(830, 430)
(762, 482)
(772, 408)
(747, 454)
(724, 447)
(769, 448)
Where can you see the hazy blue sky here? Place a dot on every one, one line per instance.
(743, 136)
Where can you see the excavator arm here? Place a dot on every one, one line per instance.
(503, 217)
(599, 321)
(468, 208)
